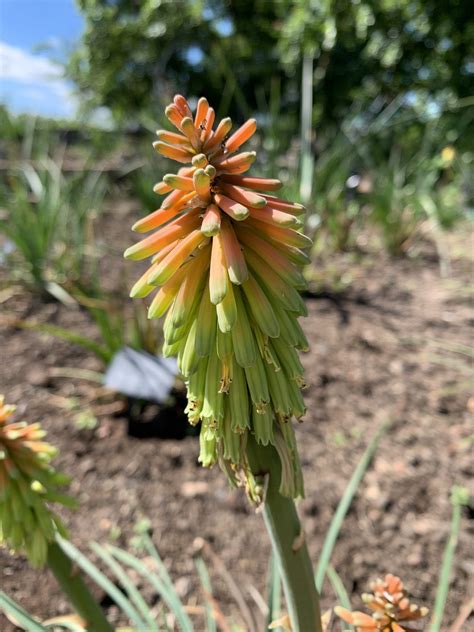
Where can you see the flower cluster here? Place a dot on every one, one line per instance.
(390, 605)
(27, 483)
(226, 262)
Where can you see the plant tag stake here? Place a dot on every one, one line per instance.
(141, 375)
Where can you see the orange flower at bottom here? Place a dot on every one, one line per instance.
(391, 608)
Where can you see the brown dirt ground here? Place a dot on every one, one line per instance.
(382, 350)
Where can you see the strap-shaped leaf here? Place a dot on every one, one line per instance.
(104, 582)
(161, 581)
(20, 616)
(131, 589)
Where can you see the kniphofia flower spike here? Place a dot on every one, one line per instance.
(226, 257)
(27, 483)
(390, 605)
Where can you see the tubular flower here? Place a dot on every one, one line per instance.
(27, 483)
(226, 257)
(390, 605)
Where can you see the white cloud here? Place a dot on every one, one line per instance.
(16, 63)
(32, 82)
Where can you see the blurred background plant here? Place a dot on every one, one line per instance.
(47, 213)
(48, 219)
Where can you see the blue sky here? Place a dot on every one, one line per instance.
(29, 80)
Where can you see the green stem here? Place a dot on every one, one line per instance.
(76, 590)
(288, 541)
(459, 498)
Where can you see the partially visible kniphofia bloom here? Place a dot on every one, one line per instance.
(227, 260)
(391, 608)
(27, 483)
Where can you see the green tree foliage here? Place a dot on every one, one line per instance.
(135, 54)
(371, 49)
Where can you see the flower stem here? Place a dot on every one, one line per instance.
(287, 537)
(75, 589)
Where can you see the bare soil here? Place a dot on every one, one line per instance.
(387, 348)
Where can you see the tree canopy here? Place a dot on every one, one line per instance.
(243, 53)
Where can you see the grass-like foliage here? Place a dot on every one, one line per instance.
(47, 218)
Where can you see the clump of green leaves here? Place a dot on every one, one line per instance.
(47, 216)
